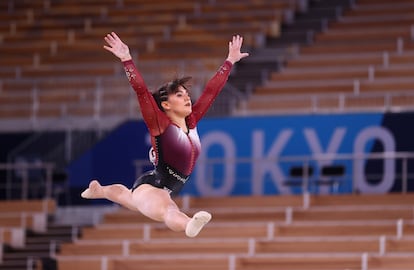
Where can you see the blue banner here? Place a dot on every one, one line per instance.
(254, 148)
(112, 159)
(254, 155)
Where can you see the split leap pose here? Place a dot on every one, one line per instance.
(171, 119)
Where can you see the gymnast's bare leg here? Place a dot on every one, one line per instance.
(152, 202)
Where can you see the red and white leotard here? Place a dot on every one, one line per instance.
(176, 151)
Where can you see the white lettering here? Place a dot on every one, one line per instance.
(318, 152)
(360, 180)
(205, 167)
(263, 163)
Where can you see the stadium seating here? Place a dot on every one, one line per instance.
(300, 233)
(66, 73)
(361, 57)
(17, 219)
(360, 61)
(30, 214)
(54, 66)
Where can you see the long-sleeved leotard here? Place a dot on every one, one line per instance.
(176, 151)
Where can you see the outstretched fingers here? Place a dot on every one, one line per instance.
(110, 40)
(234, 49)
(236, 42)
(116, 46)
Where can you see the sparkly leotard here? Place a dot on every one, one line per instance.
(175, 150)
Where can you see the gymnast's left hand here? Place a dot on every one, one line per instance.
(117, 47)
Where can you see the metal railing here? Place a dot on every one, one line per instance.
(395, 166)
(394, 101)
(22, 170)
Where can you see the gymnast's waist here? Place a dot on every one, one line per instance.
(168, 172)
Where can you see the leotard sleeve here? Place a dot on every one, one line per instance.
(154, 118)
(210, 92)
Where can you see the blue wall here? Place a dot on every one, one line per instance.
(265, 140)
(111, 160)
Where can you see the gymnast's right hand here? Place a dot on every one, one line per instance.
(117, 47)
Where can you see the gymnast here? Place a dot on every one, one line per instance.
(171, 119)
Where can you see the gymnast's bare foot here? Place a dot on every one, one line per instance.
(94, 191)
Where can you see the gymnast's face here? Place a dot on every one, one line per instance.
(178, 103)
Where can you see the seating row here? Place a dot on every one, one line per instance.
(68, 46)
(250, 247)
(361, 61)
(298, 262)
(256, 229)
(263, 232)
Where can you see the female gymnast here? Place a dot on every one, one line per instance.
(171, 119)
